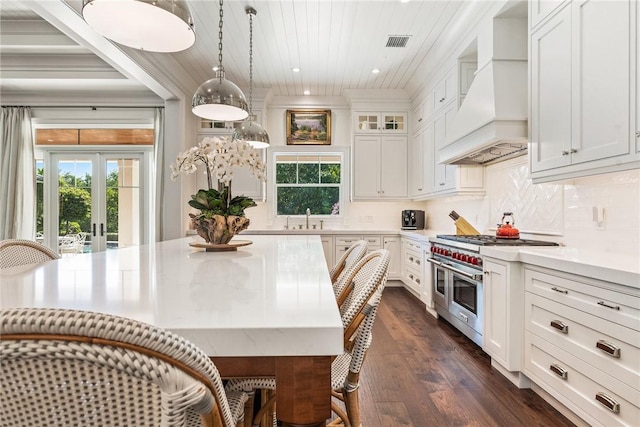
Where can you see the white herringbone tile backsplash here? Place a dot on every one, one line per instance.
(560, 212)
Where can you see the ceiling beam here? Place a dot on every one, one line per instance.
(71, 23)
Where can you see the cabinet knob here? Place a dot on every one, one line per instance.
(638, 134)
(565, 153)
(574, 150)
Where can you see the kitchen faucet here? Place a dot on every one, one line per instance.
(308, 213)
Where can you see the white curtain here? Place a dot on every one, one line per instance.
(158, 168)
(17, 175)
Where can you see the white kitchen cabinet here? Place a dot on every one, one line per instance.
(444, 175)
(582, 346)
(243, 182)
(503, 320)
(467, 74)
(376, 122)
(328, 246)
(581, 89)
(380, 167)
(444, 91)
(417, 168)
(412, 265)
(222, 128)
(392, 244)
(540, 9)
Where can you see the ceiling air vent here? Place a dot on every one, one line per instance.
(397, 41)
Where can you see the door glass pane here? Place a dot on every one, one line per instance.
(464, 293)
(123, 203)
(40, 200)
(74, 207)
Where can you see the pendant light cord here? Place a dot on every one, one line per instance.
(250, 65)
(220, 22)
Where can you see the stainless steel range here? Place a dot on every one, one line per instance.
(457, 278)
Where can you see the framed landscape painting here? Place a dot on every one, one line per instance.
(308, 127)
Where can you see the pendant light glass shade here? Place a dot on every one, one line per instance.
(219, 99)
(156, 26)
(253, 133)
(250, 130)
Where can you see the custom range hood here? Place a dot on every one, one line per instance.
(491, 124)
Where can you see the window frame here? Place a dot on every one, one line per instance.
(342, 152)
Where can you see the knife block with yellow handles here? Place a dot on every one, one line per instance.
(463, 228)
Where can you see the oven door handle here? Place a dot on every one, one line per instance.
(472, 276)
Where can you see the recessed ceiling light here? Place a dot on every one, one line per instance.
(295, 69)
(375, 70)
(215, 68)
(307, 92)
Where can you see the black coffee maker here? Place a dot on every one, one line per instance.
(412, 220)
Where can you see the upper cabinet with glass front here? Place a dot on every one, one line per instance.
(221, 127)
(374, 122)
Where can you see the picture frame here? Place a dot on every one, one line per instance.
(308, 127)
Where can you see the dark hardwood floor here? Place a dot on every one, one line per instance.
(421, 372)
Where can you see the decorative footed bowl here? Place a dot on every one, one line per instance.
(219, 229)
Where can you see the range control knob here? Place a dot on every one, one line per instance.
(474, 260)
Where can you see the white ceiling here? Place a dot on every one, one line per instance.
(335, 43)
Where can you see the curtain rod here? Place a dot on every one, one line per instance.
(92, 107)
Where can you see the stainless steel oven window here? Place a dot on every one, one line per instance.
(465, 293)
(441, 282)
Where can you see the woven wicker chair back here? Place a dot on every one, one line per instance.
(15, 252)
(344, 267)
(68, 367)
(364, 279)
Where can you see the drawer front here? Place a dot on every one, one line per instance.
(545, 364)
(413, 259)
(412, 245)
(608, 346)
(619, 307)
(347, 240)
(373, 242)
(413, 278)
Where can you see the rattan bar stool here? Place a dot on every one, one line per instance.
(344, 267)
(369, 278)
(15, 252)
(68, 367)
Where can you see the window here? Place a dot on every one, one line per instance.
(308, 181)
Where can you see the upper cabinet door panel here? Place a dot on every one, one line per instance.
(540, 9)
(601, 37)
(551, 93)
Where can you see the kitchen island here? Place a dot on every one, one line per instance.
(266, 309)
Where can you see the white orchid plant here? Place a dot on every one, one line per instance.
(220, 156)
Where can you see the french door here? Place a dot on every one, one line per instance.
(96, 200)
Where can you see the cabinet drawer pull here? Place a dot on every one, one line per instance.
(417, 281)
(559, 371)
(418, 261)
(613, 307)
(560, 326)
(562, 291)
(608, 348)
(411, 258)
(608, 402)
(411, 276)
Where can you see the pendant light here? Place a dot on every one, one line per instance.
(152, 25)
(250, 130)
(218, 98)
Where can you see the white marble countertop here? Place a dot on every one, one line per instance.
(330, 232)
(271, 298)
(611, 267)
